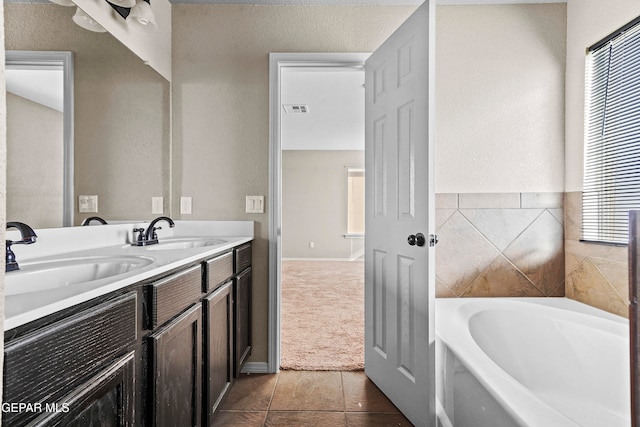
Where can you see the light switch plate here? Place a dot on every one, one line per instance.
(254, 204)
(157, 205)
(185, 205)
(88, 204)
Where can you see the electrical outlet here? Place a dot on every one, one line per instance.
(88, 204)
(312, 245)
(157, 205)
(185, 205)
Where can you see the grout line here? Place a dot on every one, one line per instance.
(273, 392)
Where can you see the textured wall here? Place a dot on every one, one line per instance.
(121, 111)
(499, 245)
(588, 21)
(314, 204)
(500, 98)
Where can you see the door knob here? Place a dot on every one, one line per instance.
(416, 239)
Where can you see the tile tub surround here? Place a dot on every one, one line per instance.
(595, 274)
(500, 245)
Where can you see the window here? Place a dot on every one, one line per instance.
(355, 195)
(612, 136)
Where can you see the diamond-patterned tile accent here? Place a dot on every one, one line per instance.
(502, 279)
(501, 226)
(500, 249)
(539, 253)
(616, 274)
(588, 285)
(442, 291)
(463, 253)
(442, 215)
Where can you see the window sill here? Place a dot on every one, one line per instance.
(353, 236)
(595, 242)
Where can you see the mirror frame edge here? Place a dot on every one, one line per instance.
(64, 59)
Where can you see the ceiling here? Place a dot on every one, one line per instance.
(335, 101)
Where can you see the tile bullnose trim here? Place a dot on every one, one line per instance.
(489, 200)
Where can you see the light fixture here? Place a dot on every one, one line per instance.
(141, 16)
(67, 3)
(86, 22)
(122, 3)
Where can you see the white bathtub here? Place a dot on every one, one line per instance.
(547, 362)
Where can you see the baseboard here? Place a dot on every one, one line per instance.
(256, 368)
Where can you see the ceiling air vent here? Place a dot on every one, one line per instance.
(296, 108)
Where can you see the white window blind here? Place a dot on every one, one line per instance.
(612, 133)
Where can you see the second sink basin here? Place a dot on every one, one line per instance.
(47, 275)
(184, 243)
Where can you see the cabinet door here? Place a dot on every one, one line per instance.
(176, 366)
(46, 364)
(242, 320)
(218, 355)
(106, 400)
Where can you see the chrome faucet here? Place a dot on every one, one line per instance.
(28, 236)
(87, 221)
(150, 237)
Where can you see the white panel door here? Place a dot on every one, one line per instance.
(399, 262)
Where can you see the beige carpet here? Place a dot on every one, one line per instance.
(322, 325)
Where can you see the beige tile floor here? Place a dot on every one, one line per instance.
(307, 399)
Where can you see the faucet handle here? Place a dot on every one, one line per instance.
(141, 236)
(154, 236)
(10, 258)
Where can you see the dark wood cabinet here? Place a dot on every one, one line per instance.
(161, 352)
(218, 347)
(176, 370)
(106, 400)
(242, 308)
(42, 366)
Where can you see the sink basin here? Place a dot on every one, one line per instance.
(47, 275)
(184, 243)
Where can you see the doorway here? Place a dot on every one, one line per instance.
(303, 247)
(322, 141)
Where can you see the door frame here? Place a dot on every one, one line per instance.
(278, 61)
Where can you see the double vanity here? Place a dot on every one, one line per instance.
(102, 330)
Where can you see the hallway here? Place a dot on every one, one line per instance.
(307, 399)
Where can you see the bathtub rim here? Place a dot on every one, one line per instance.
(516, 399)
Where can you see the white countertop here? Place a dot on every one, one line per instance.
(110, 241)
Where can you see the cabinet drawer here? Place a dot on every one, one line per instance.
(242, 257)
(219, 269)
(44, 364)
(171, 295)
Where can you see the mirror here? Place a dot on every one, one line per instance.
(40, 131)
(121, 123)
